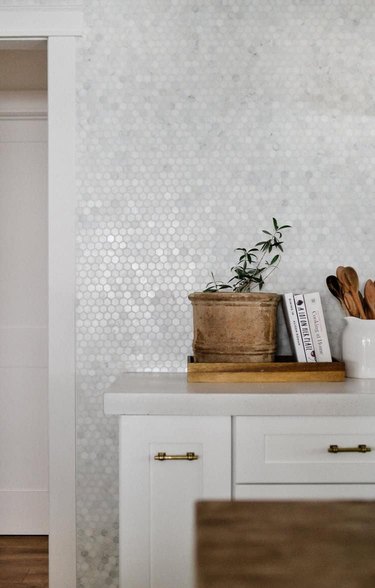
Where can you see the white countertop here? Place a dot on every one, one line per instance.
(170, 394)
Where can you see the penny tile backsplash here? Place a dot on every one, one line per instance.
(199, 120)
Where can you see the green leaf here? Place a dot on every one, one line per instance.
(225, 287)
(247, 274)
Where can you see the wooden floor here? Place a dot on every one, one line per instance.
(23, 561)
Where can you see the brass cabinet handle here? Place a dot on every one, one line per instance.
(359, 449)
(189, 456)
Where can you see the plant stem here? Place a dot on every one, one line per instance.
(269, 273)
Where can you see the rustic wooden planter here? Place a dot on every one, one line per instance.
(234, 327)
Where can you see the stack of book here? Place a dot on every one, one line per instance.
(306, 327)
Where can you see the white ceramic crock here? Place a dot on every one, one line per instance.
(358, 347)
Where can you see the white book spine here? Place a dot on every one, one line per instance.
(305, 327)
(318, 328)
(293, 327)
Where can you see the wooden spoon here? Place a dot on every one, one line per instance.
(334, 287)
(351, 305)
(346, 296)
(340, 273)
(352, 280)
(364, 304)
(348, 279)
(370, 298)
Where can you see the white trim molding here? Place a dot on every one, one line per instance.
(61, 291)
(21, 105)
(59, 27)
(32, 21)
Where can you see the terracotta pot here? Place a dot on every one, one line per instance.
(234, 327)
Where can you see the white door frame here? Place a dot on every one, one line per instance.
(60, 27)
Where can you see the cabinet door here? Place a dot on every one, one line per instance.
(23, 326)
(157, 497)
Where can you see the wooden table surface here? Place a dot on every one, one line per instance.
(285, 544)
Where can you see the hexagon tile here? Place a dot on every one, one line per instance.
(198, 122)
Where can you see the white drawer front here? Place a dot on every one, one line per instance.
(295, 450)
(304, 492)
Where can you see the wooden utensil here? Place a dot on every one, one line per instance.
(334, 287)
(348, 279)
(353, 283)
(365, 305)
(340, 273)
(347, 299)
(351, 305)
(370, 298)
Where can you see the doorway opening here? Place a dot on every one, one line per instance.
(24, 501)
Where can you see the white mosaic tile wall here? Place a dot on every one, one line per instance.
(198, 121)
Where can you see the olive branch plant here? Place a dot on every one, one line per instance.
(255, 265)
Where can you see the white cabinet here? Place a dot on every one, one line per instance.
(157, 497)
(273, 458)
(242, 454)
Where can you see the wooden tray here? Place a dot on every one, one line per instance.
(284, 369)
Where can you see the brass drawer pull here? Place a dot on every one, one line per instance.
(359, 449)
(189, 456)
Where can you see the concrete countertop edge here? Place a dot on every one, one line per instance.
(169, 394)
